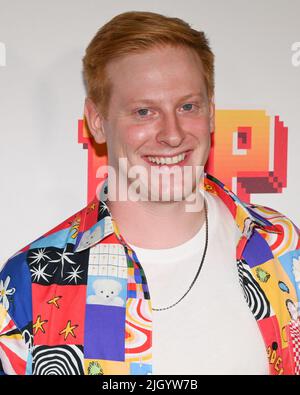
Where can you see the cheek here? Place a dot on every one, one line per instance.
(199, 128)
(129, 136)
(138, 134)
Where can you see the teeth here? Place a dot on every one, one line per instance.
(166, 160)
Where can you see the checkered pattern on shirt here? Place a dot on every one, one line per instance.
(295, 337)
(137, 284)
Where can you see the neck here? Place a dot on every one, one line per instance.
(156, 225)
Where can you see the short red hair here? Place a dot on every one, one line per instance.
(137, 31)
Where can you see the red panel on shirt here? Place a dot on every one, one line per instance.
(58, 314)
(231, 205)
(277, 356)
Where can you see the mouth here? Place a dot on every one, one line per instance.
(175, 160)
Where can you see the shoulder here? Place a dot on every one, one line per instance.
(16, 273)
(275, 217)
(57, 232)
(283, 235)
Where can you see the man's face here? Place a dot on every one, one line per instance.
(158, 108)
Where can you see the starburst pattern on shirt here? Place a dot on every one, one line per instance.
(38, 256)
(74, 275)
(103, 207)
(63, 256)
(39, 272)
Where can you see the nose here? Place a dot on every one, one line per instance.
(170, 130)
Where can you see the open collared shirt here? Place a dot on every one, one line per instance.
(76, 300)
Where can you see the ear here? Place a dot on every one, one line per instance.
(94, 120)
(212, 114)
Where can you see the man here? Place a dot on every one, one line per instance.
(154, 284)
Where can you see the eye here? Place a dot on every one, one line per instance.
(188, 106)
(142, 112)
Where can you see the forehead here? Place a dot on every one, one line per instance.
(163, 68)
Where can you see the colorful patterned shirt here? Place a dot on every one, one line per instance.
(76, 300)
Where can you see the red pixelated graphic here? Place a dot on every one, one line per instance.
(244, 137)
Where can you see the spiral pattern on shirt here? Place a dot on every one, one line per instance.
(254, 295)
(286, 240)
(58, 360)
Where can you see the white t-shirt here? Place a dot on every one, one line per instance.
(212, 330)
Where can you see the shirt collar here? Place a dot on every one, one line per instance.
(97, 222)
(244, 214)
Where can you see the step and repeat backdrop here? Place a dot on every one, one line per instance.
(48, 164)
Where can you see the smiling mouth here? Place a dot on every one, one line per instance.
(167, 160)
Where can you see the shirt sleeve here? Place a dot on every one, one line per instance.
(15, 316)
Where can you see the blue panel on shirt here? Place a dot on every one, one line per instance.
(18, 289)
(57, 239)
(286, 261)
(137, 276)
(140, 368)
(257, 250)
(104, 332)
(91, 236)
(94, 282)
(29, 365)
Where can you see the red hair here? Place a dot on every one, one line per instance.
(137, 31)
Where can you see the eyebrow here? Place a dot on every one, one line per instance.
(150, 101)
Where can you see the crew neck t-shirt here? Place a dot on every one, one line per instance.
(211, 330)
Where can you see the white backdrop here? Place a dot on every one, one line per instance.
(43, 170)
